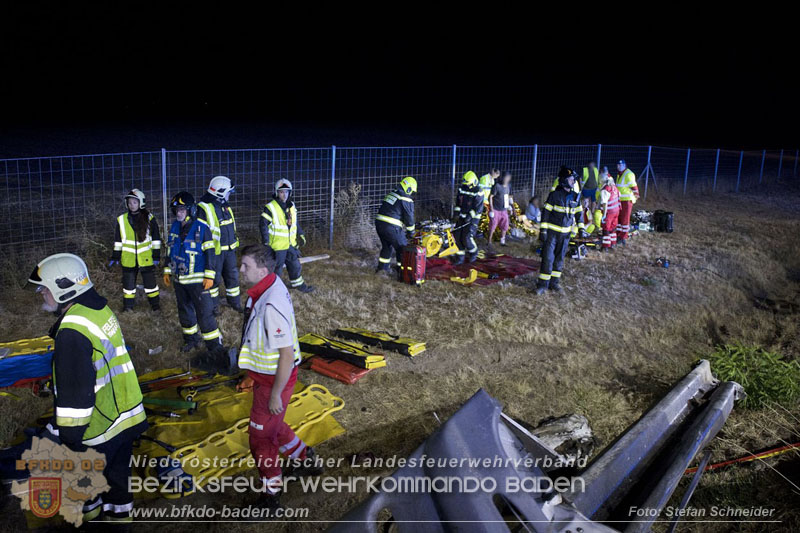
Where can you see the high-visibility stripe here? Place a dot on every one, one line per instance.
(124, 421)
(295, 454)
(211, 335)
(210, 274)
(190, 330)
(382, 260)
(555, 227)
(113, 371)
(296, 282)
(388, 220)
(286, 447)
(154, 289)
(544, 277)
(259, 427)
(555, 274)
(124, 508)
(214, 291)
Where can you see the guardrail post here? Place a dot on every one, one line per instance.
(716, 167)
(761, 174)
(739, 174)
(780, 164)
(333, 194)
(599, 153)
(164, 201)
(453, 183)
(686, 172)
(533, 178)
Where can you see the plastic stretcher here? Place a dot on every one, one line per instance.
(312, 344)
(383, 340)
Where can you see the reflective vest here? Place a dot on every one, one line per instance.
(118, 398)
(625, 183)
(585, 177)
(134, 252)
(216, 227)
(613, 200)
(187, 258)
(281, 234)
(254, 354)
(486, 182)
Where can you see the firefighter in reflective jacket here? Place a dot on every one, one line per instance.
(628, 194)
(486, 182)
(395, 220)
(558, 222)
(218, 215)
(190, 260)
(137, 247)
(280, 230)
(96, 393)
(469, 206)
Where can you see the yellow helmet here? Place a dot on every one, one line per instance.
(470, 179)
(409, 185)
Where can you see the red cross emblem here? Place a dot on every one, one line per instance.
(278, 330)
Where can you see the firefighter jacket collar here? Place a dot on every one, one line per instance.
(261, 287)
(285, 206)
(90, 299)
(211, 199)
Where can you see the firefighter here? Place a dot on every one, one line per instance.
(215, 211)
(628, 194)
(96, 395)
(280, 230)
(270, 353)
(558, 222)
(395, 223)
(486, 183)
(469, 206)
(608, 198)
(190, 264)
(137, 247)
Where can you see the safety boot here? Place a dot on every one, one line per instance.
(304, 288)
(191, 343)
(270, 501)
(539, 290)
(555, 287)
(309, 467)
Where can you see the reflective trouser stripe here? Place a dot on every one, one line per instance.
(296, 282)
(235, 291)
(556, 274)
(211, 335)
(129, 293)
(214, 292)
(190, 331)
(545, 277)
(382, 260)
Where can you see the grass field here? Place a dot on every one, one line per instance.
(622, 332)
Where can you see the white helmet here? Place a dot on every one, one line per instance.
(137, 194)
(65, 275)
(221, 187)
(283, 183)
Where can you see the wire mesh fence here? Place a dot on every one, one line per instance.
(59, 201)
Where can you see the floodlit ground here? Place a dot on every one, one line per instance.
(619, 336)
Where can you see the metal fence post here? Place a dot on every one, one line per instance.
(780, 164)
(164, 201)
(333, 194)
(686, 172)
(599, 153)
(453, 183)
(796, 153)
(761, 174)
(716, 167)
(647, 170)
(739, 174)
(533, 178)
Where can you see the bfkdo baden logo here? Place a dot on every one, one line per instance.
(44, 495)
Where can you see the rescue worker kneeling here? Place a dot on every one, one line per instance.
(190, 263)
(468, 209)
(395, 223)
(280, 231)
(558, 223)
(270, 352)
(96, 395)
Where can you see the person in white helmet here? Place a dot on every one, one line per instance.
(280, 230)
(137, 248)
(96, 395)
(214, 211)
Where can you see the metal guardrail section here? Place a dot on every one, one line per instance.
(642, 467)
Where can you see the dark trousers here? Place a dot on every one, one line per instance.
(465, 239)
(392, 238)
(291, 259)
(227, 271)
(117, 503)
(553, 251)
(195, 306)
(129, 286)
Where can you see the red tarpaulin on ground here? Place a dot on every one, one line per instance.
(505, 266)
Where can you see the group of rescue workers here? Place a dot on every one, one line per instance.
(575, 206)
(97, 399)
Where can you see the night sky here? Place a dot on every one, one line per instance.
(75, 81)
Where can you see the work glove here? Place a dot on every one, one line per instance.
(303, 239)
(207, 284)
(112, 263)
(167, 280)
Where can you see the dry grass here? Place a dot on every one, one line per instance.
(618, 337)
